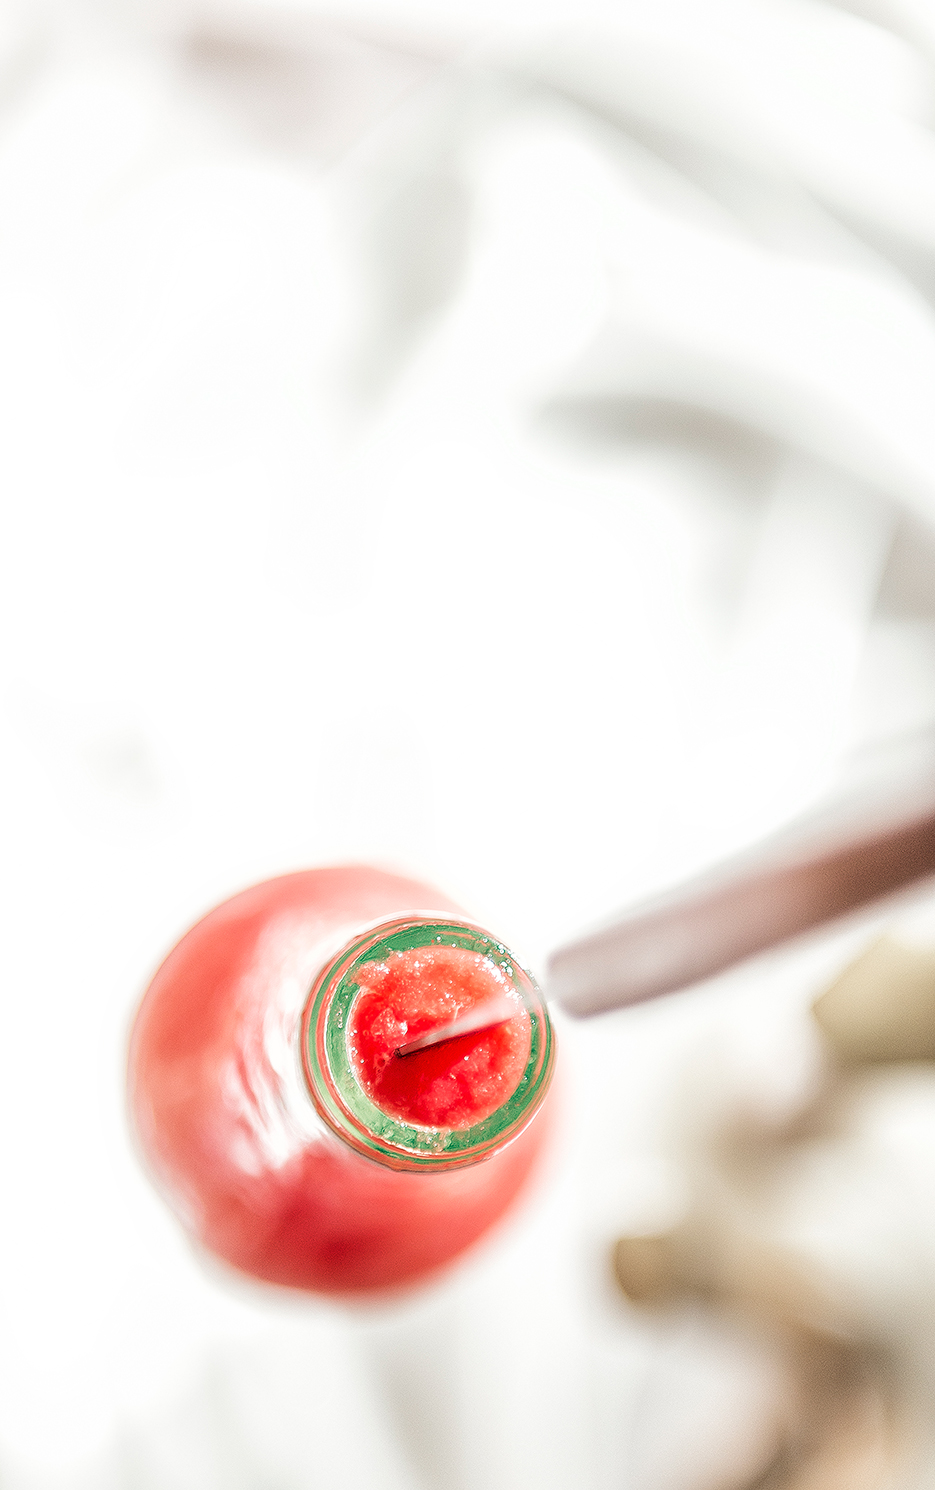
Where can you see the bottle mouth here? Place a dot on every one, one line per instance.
(335, 1085)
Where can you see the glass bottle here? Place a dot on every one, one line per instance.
(261, 1127)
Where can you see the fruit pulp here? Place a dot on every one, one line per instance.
(453, 1084)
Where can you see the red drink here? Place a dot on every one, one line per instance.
(459, 1083)
(277, 1119)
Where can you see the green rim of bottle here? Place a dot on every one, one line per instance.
(333, 1084)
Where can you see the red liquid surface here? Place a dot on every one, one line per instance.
(222, 1115)
(451, 1085)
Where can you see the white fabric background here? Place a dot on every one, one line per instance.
(491, 440)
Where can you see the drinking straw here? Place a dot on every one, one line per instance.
(873, 837)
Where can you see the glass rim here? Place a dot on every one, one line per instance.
(338, 1095)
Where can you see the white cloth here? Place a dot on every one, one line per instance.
(491, 440)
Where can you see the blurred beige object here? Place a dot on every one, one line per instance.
(839, 1423)
(818, 1231)
(647, 1268)
(882, 1008)
(843, 1434)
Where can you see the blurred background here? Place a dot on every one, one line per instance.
(494, 441)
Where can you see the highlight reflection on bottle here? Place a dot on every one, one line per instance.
(277, 1119)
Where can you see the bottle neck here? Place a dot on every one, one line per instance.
(334, 1079)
